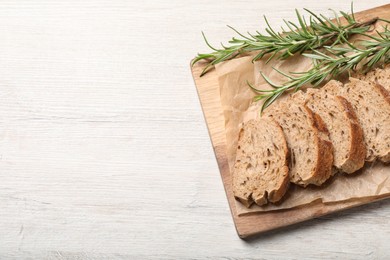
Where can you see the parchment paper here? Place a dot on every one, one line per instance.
(236, 99)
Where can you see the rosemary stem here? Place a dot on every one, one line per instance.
(339, 60)
(302, 37)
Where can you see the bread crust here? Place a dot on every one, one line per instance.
(323, 169)
(276, 195)
(383, 91)
(386, 94)
(357, 149)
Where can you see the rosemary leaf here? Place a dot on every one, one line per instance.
(331, 63)
(319, 31)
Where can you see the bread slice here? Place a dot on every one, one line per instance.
(371, 103)
(382, 76)
(345, 133)
(311, 152)
(260, 171)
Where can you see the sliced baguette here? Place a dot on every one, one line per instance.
(311, 152)
(371, 103)
(345, 133)
(260, 171)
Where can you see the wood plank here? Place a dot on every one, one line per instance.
(249, 225)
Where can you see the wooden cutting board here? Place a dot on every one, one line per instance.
(249, 225)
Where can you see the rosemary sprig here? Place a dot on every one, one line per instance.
(316, 33)
(330, 63)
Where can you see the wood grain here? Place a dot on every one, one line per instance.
(208, 91)
(104, 151)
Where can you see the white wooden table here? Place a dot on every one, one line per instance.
(104, 152)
